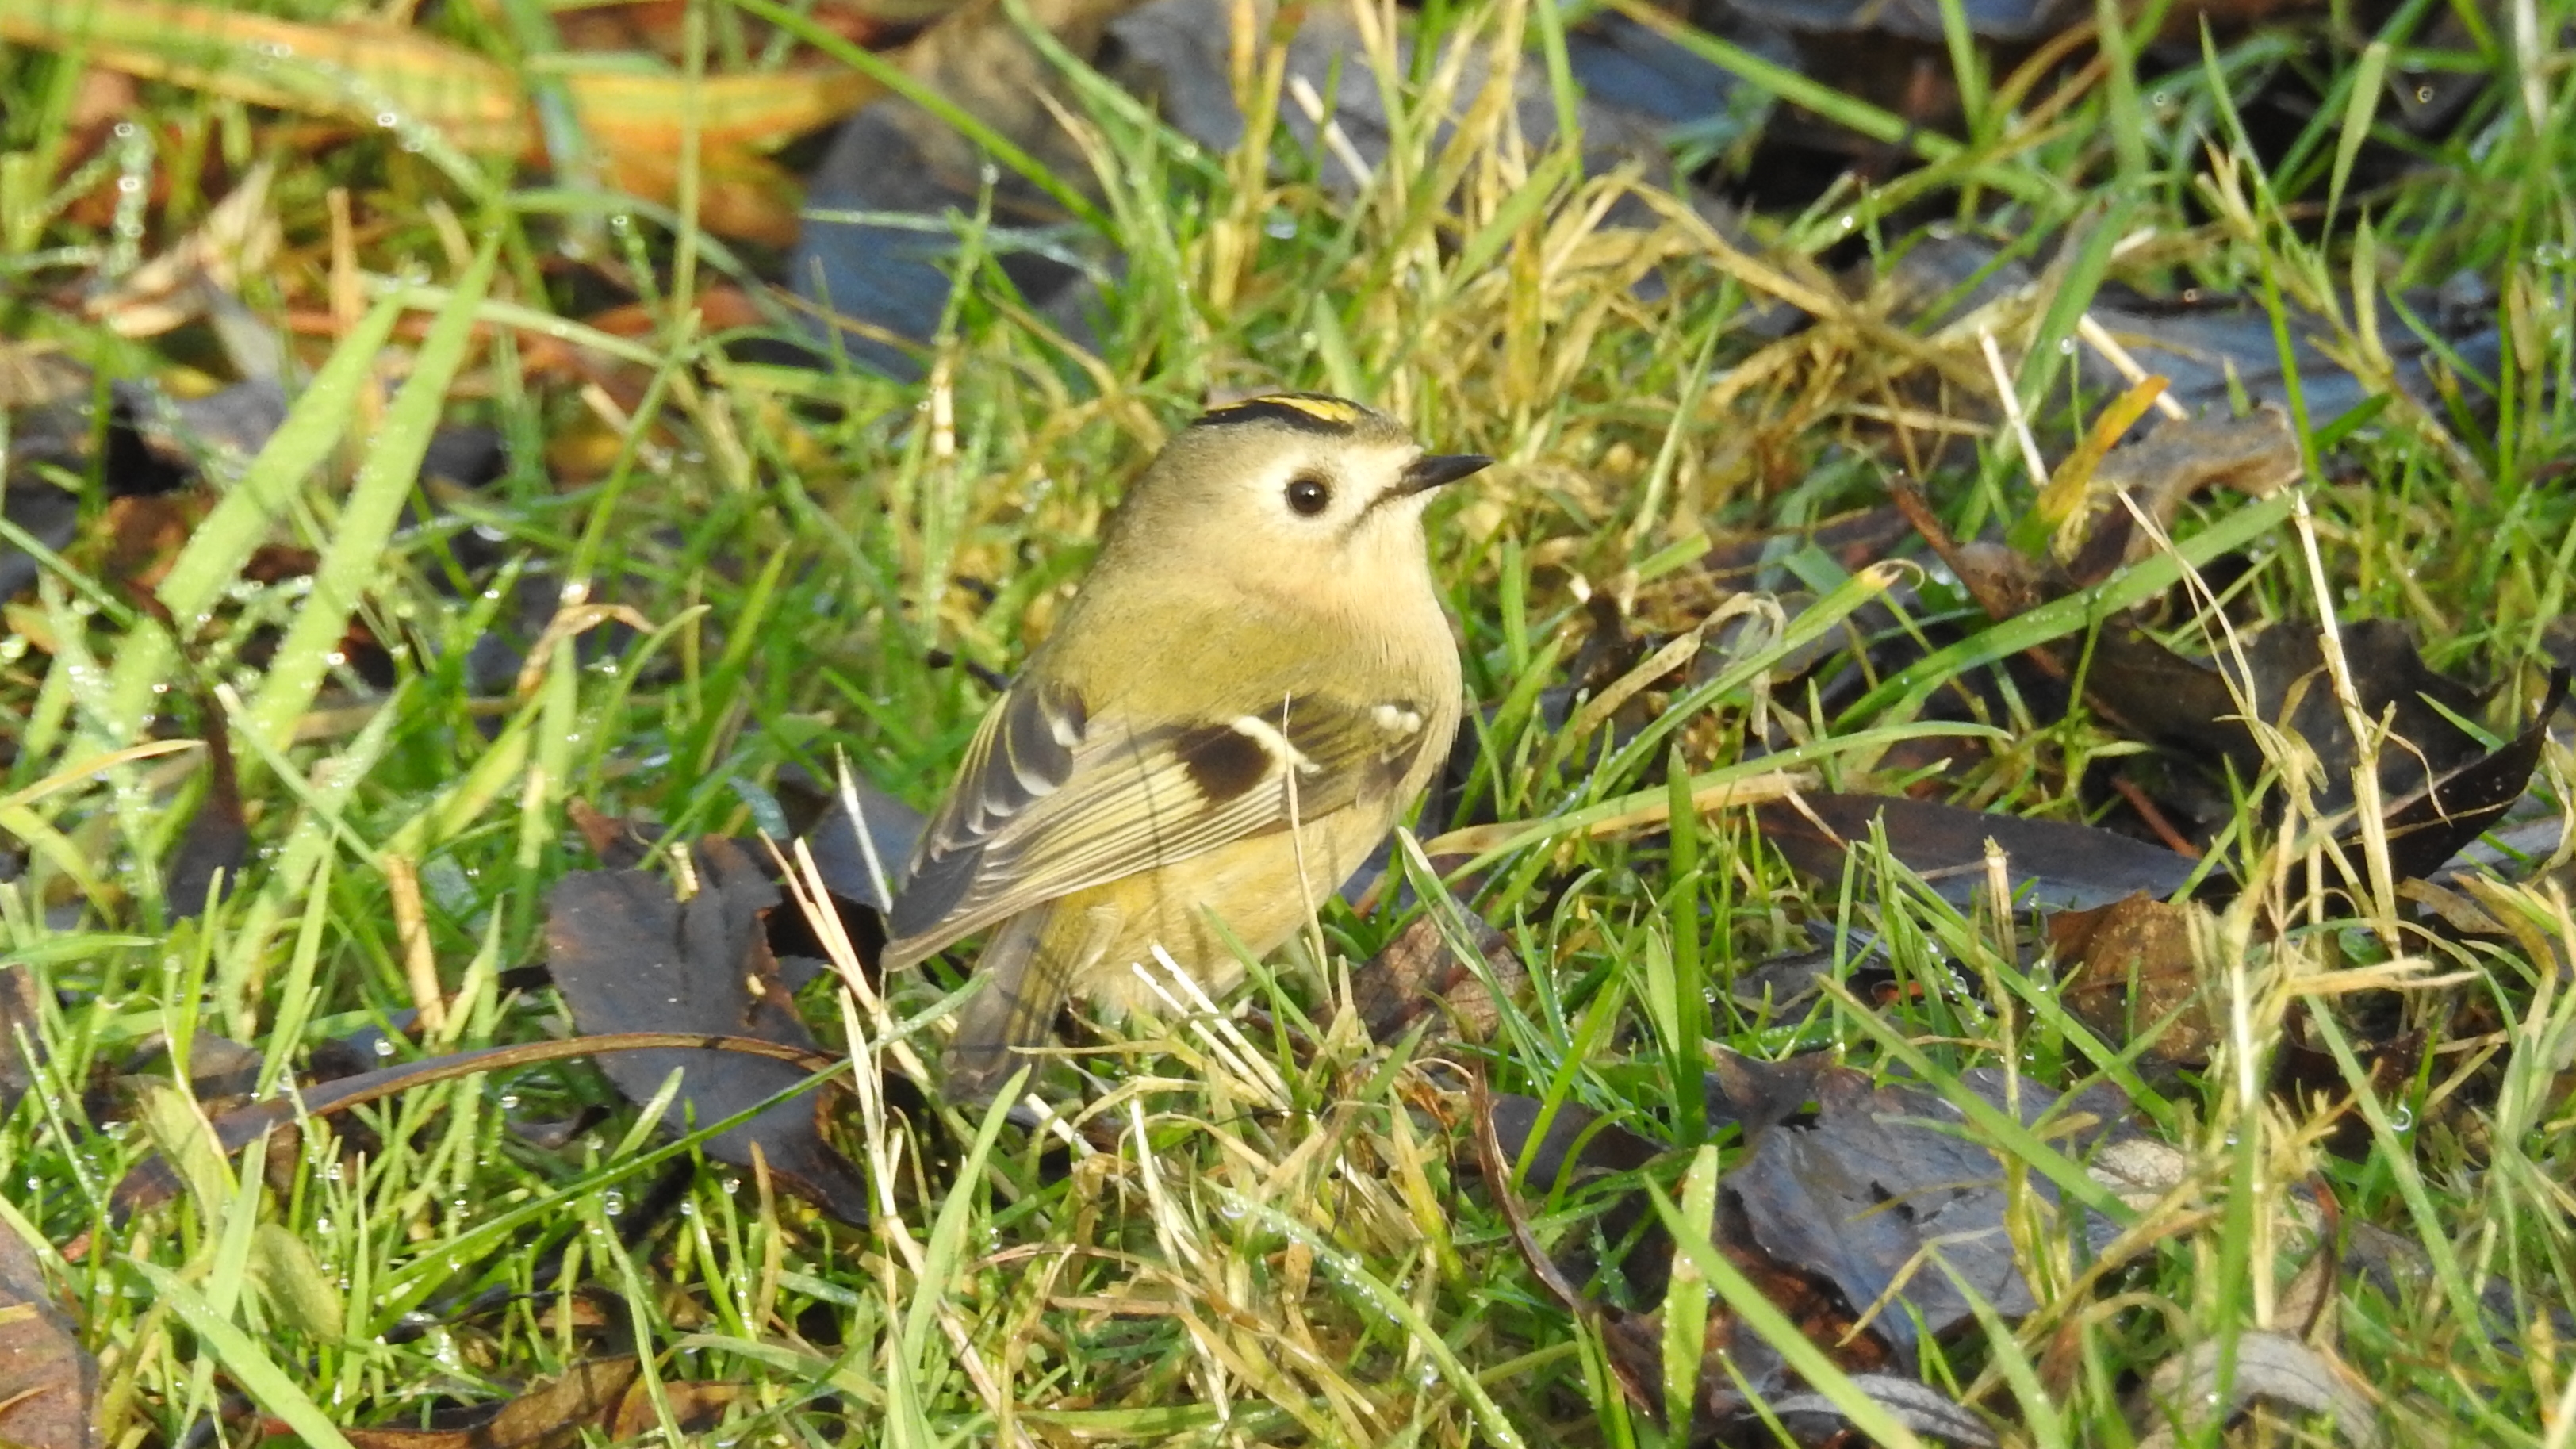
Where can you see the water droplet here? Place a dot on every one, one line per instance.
(612, 1202)
(2401, 1120)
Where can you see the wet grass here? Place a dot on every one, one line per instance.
(1256, 1237)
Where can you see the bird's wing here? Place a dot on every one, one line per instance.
(1054, 798)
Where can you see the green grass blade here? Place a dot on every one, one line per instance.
(249, 511)
(355, 554)
(250, 1366)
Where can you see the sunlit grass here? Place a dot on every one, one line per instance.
(1266, 1236)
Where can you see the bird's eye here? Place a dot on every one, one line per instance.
(1308, 495)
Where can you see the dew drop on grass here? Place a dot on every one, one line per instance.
(612, 1202)
(509, 1101)
(2401, 1120)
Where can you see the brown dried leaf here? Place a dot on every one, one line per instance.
(552, 1410)
(48, 1382)
(1418, 974)
(2129, 968)
(22, 1040)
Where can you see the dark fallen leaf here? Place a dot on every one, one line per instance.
(43, 513)
(1778, 985)
(620, 843)
(215, 435)
(222, 1073)
(2254, 455)
(1417, 976)
(1577, 1139)
(2128, 969)
(1882, 1194)
(1739, 1368)
(628, 957)
(2453, 810)
(554, 1134)
(877, 247)
(1813, 1418)
(861, 862)
(549, 1410)
(2213, 350)
(2311, 1078)
(153, 1181)
(1916, 19)
(2048, 864)
(695, 1406)
(48, 1382)
(22, 1037)
(1625, 66)
(1754, 1094)
(2184, 1395)
(212, 850)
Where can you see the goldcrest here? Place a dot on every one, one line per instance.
(1254, 682)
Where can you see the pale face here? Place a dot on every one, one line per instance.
(1319, 499)
(1325, 518)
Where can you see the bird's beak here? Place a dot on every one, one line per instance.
(1434, 469)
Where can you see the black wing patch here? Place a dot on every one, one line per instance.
(1223, 761)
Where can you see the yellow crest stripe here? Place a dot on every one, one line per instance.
(1312, 412)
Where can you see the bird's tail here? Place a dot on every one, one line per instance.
(1027, 970)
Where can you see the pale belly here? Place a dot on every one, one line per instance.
(1256, 886)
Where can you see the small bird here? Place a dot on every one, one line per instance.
(1253, 683)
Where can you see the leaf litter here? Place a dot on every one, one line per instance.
(627, 956)
(1863, 1206)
